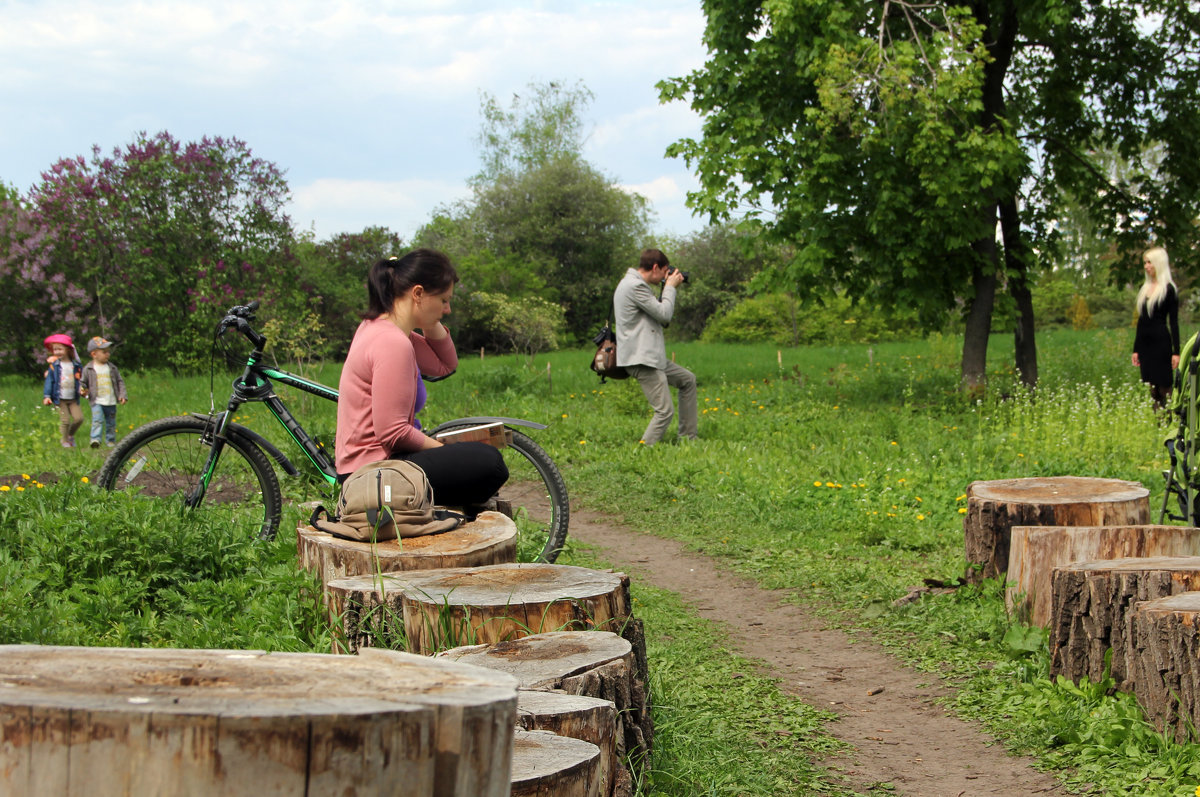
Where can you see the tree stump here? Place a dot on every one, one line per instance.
(1037, 550)
(112, 721)
(489, 539)
(429, 610)
(994, 507)
(548, 765)
(578, 717)
(592, 663)
(1165, 663)
(1091, 607)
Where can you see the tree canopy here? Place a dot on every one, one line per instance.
(916, 154)
(136, 244)
(541, 220)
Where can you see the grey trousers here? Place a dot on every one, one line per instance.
(656, 384)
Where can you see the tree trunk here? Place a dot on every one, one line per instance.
(578, 717)
(591, 663)
(979, 318)
(429, 610)
(994, 507)
(1000, 36)
(1038, 550)
(1165, 662)
(547, 765)
(112, 721)
(489, 539)
(1092, 605)
(1016, 258)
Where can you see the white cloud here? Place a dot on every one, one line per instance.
(330, 206)
(351, 99)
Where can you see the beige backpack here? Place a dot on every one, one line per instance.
(385, 500)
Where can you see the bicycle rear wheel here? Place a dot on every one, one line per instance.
(166, 458)
(538, 495)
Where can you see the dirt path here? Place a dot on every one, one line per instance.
(886, 711)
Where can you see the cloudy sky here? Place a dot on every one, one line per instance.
(371, 108)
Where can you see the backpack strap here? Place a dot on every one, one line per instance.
(382, 506)
(329, 525)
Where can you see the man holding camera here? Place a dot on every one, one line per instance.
(640, 318)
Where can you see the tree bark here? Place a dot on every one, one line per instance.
(979, 317)
(994, 507)
(1092, 605)
(1016, 258)
(429, 610)
(1165, 662)
(489, 539)
(578, 717)
(1038, 550)
(112, 721)
(547, 765)
(592, 663)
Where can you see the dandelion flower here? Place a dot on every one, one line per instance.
(84, 479)
(815, 484)
(962, 510)
(4, 488)
(920, 517)
(583, 442)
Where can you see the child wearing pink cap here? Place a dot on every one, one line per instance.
(62, 386)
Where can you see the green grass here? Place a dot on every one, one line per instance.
(836, 473)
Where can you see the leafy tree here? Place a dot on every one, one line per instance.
(914, 153)
(157, 237)
(542, 126)
(721, 262)
(541, 220)
(333, 273)
(529, 325)
(37, 301)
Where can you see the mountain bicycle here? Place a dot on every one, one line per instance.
(213, 464)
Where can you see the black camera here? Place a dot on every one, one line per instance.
(671, 270)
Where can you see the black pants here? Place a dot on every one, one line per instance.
(461, 474)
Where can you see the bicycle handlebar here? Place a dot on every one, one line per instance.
(239, 317)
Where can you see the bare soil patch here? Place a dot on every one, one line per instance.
(887, 711)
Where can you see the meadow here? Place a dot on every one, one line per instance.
(837, 474)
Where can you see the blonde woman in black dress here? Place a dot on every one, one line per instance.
(1156, 344)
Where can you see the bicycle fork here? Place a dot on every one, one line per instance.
(215, 439)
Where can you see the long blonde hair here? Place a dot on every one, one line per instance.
(1155, 290)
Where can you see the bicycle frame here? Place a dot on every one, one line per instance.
(255, 386)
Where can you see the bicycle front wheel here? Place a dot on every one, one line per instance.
(538, 496)
(166, 459)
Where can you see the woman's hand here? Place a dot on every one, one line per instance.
(1174, 361)
(1135, 360)
(436, 332)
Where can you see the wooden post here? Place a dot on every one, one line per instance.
(113, 721)
(1037, 550)
(1091, 608)
(994, 507)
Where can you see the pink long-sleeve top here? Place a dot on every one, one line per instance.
(377, 393)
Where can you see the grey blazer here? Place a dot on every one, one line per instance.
(640, 317)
